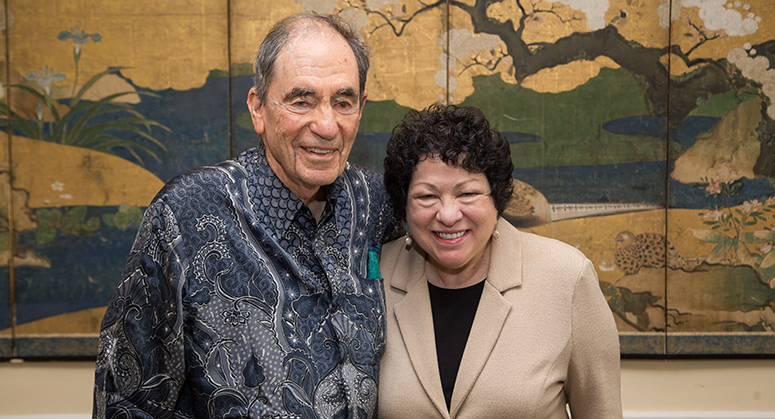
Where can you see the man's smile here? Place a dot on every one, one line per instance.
(316, 150)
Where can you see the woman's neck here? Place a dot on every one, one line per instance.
(468, 275)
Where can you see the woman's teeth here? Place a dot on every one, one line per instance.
(450, 236)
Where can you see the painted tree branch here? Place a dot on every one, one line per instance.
(672, 98)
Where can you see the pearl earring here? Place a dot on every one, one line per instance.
(408, 241)
(496, 234)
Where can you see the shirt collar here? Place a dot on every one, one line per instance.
(275, 204)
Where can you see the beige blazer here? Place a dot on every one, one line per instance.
(543, 336)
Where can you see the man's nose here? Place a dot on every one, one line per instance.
(325, 123)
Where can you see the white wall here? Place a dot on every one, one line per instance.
(699, 385)
(667, 389)
(37, 388)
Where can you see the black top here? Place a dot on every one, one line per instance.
(453, 314)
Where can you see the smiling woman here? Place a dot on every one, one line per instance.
(483, 290)
(451, 214)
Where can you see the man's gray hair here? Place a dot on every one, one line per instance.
(282, 32)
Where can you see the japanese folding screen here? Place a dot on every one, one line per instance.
(642, 131)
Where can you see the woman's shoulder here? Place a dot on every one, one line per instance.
(540, 254)
(391, 252)
(540, 243)
(401, 265)
(534, 244)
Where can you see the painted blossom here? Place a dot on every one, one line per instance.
(751, 206)
(593, 9)
(714, 215)
(756, 68)
(714, 188)
(79, 37)
(45, 78)
(727, 174)
(767, 248)
(714, 15)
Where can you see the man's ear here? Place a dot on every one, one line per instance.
(254, 107)
(363, 102)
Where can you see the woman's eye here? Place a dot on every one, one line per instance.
(425, 197)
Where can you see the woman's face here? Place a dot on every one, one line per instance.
(451, 215)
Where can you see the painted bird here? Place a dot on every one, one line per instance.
(620, 20)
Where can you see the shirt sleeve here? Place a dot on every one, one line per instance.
(140, 360)
(593, 387)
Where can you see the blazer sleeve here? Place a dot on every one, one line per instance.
(593, 386)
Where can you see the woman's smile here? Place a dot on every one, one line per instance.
(450, 236)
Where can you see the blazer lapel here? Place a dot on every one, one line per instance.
(488, 323)
(415, 322)
(505, 272)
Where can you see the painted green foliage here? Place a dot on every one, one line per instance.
(570, 138)
(98, 125)
(728, 225)
(575, 139)
(621, 300)
(126, 216)
(74, 221)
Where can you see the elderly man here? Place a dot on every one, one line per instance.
(249, 291)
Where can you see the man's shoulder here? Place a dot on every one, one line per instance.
(203, 181)
(370, 179)
(354, 170)
(197, 178)
(367, 194)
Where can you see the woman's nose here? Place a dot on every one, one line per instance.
(449, 213)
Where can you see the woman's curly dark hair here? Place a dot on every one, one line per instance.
(459, 136)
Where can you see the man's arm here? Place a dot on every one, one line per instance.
(140, 362)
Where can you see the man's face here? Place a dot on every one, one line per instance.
(312, 111)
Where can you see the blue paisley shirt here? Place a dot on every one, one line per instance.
(235, 302)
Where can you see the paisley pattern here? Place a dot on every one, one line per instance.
(235, 302)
